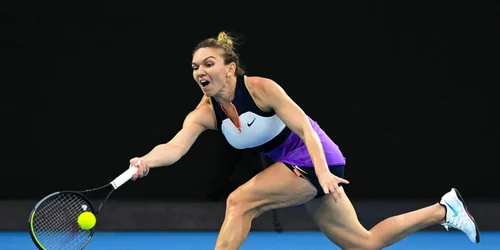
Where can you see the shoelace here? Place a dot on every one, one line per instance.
(459, 222)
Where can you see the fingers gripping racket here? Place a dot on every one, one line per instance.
(53, 221)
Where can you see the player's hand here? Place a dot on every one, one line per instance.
(142, 166)
(330, 184)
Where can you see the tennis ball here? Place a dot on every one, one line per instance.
(86, 220)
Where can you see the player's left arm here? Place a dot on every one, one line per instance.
(272, 96)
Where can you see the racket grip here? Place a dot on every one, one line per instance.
(124, 177)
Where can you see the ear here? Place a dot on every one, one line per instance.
(231, 69)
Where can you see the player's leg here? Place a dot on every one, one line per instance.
(274, 187)
(338, 220)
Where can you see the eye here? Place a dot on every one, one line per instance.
(209, 64)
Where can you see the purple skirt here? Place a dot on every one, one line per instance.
(293, 150)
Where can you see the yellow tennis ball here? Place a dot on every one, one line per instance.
(86, 220)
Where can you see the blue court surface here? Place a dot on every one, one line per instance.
(256, 240)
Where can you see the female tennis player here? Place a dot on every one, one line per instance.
(256, 113)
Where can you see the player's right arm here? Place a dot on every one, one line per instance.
(195, 123)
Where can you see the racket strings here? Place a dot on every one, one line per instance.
(55, 222)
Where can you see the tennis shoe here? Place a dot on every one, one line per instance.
(457, 215)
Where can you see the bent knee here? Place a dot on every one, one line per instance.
(239, 203)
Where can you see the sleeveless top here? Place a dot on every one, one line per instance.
(265, 132)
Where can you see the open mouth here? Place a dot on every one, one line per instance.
(204, 82)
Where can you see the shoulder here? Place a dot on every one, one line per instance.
(203, 114)
(263, 90)
(257, 84)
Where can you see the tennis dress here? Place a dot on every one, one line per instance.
(266, 133)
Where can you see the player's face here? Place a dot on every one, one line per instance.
(209, 70)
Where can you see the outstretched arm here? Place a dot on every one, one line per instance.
(195, 123)
(168, 153)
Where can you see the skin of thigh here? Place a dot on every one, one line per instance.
(339, 222)
(274, 187)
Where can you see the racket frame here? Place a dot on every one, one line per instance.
(78, 193)
(113, 185)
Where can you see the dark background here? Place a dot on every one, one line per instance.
(408, 92)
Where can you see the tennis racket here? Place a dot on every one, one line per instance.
(53, 221)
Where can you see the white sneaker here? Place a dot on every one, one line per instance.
(457, 215)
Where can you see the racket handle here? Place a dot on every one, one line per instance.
(124, 177)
